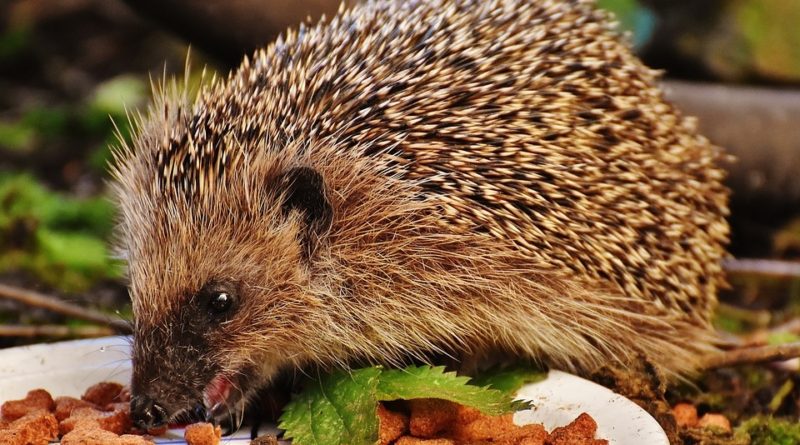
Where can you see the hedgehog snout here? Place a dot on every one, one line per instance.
(147, 413)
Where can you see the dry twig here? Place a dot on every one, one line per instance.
(54, 331)
(776, 268)
(54, 304)
(757, 354)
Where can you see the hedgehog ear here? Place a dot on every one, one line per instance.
(304, 191)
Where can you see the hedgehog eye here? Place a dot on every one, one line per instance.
(219, 302)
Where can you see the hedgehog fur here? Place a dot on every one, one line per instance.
(413, 178)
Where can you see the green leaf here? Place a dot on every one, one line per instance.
(509, 379)
(15, 136)
(61, 240)
(341, 408)
(416, 382)
(73, 250)
(94, 216)
(50, 123)
(113, 96)
(338, 410)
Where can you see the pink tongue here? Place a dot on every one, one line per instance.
(217, 392)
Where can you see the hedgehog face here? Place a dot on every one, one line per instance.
(219, 302)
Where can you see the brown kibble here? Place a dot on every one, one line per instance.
(44, 423)
(104, 393)
(85, 423)
(124, 395)
(266, 439)
(35, 428)
(118, 406)
(484, 428)
(117, 421)
(496, 429)
(467, 414)
(392, 425)
(11, 437)
(409, 440)
(685, 414)
(65, 406)
(202, 434)
(80, 421)
(88, 436)
(580, 432)
(533, 440)
(715, 421)
(36, 400)
(429, 417)
(88, 432)
(532, 434)
(132, 439)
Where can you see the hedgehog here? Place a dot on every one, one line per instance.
(412, 179)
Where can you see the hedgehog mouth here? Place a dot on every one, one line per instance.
(222, 397)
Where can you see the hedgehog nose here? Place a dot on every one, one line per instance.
(199, 413)
(146, 413)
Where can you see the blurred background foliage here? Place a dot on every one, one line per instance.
(724, 40)
(70, 70)
(59, 239)
(70, 73)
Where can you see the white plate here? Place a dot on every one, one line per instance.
(68, 368)
(562, 397)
